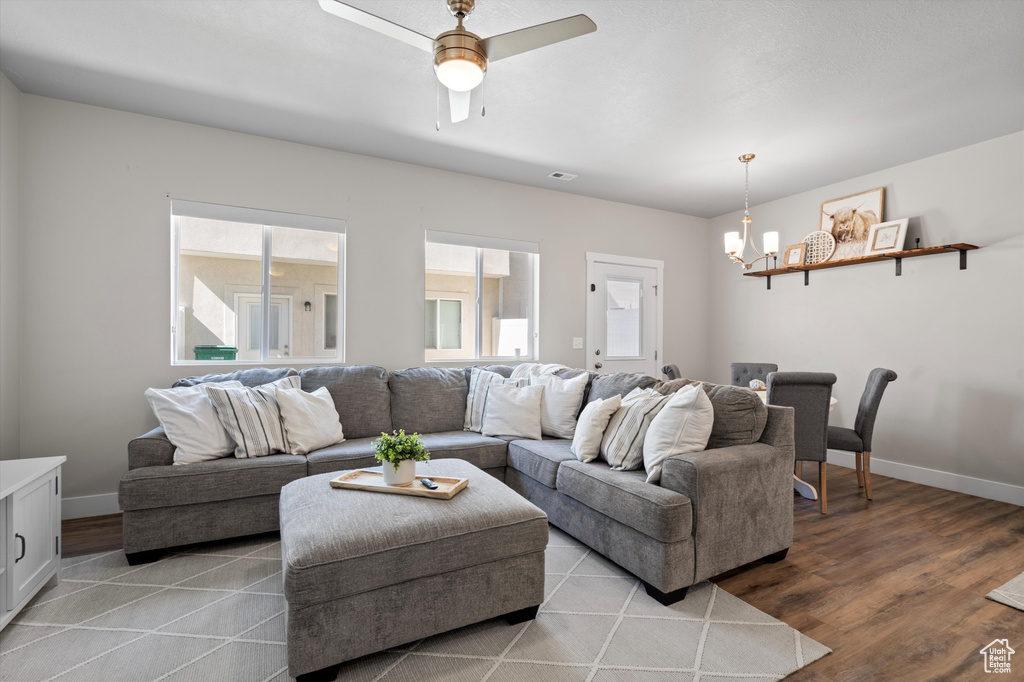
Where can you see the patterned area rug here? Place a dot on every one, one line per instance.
(1011, 594)
(216, 612)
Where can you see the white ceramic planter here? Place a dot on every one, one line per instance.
(406, 472)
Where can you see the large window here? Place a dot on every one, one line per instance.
(479, 298)
(254, 286)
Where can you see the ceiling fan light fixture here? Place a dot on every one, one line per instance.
(459, 75)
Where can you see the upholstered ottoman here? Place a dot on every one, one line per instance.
(366, 571)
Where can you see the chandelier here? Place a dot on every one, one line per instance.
(734, 246)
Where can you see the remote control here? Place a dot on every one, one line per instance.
(428, 483)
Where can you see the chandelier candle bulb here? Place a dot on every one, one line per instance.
(771, 242)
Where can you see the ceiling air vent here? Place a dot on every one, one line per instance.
(559, 175)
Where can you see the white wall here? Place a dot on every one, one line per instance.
(10, 270)
(96, 258)
(955, 338)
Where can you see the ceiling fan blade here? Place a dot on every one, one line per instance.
(526, 39)
(458, 102)
(372, 21)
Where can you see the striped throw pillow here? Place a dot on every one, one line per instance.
(252, 417)
(623, 443)
(479, 381)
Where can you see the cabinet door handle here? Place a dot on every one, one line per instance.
(22, 537)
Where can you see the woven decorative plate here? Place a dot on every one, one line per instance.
(820, 246)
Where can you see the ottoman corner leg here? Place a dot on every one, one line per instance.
(328, 674)
(522, 615)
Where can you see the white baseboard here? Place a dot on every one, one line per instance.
(89, 505)
(992, 490)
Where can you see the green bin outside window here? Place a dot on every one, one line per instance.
(215, 352)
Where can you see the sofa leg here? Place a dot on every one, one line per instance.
(522, 615)
(136, 558)
(665, 598)
(328, 674)
(777, 556)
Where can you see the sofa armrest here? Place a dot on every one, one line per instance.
(778, 430)
(151, 449)
(742, 497)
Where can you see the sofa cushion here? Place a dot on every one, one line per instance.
(428, 399)
(220, 479)
(593, 422)
(360, 394)
(480, 451)
(191, 422)
(503, 370)
(251, 416)
(255, 376)
(560, 404)
(358, 453)
(354, 453)
(740, 415)
(625, 496)
(539, 459)
(606, 385)
(571, 373)
(512, 411)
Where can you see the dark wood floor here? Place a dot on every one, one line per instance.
(895, 587)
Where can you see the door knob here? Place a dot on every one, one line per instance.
(597, 352)
(598, 365)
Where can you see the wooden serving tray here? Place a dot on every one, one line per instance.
(373, 481)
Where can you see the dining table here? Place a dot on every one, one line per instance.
(802, 487)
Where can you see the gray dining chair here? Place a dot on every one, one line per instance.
(745, 372)
(808, 393)
(858, 439)
(672, 372)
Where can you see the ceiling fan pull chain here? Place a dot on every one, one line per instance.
(437, 109)
(483, 100)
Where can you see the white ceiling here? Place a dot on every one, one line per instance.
(652, 109)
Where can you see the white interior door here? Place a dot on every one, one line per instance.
(623, 314)
(250, 320)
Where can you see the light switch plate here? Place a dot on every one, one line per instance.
(577, 343)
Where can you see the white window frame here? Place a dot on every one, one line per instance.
(480, 243)
(268, 220)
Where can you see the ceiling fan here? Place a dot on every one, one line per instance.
(461, 57)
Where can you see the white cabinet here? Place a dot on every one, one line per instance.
(30, 517)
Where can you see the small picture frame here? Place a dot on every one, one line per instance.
(887, 237)
(795, 255)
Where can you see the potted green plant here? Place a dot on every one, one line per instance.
(398, 454)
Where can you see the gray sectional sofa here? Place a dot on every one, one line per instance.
(713, 510)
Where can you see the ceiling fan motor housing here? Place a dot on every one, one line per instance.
(460, 44)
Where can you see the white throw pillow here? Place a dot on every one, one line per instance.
(586, 442)
(480, 381)
(513, 411)
(252, 417)
(190, 421)
(682, 426)
(310, 420)
(561, 404)
(623, 443)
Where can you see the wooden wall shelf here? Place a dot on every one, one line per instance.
(896, 256)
